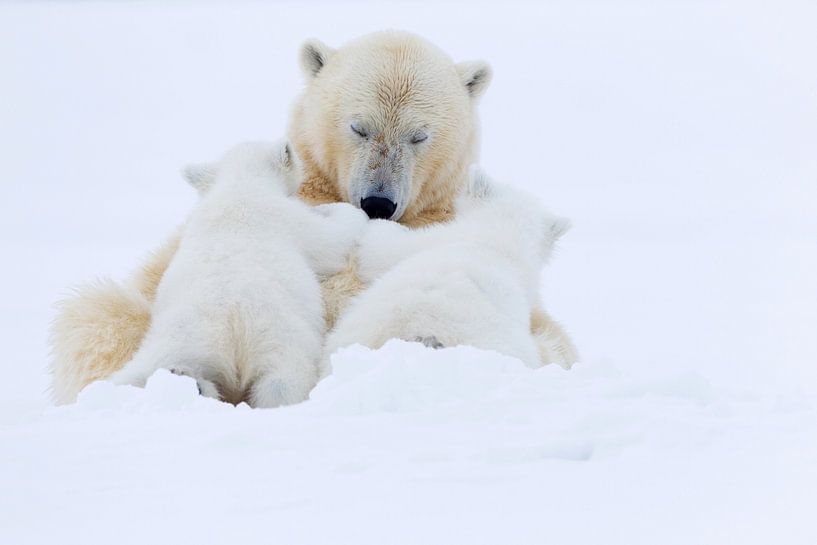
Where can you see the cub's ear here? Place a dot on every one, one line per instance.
(289, 166)
(286, 156)
(313, 56)
(559, 227)
(200, 176)
(479, 184)
(475, 76)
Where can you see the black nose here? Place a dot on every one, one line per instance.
(378, 207)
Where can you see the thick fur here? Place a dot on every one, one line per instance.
(239, 307)
(391, 84)
(552, 341)
(100, 326)
(397, 84)
(472, 281)
(96, 331)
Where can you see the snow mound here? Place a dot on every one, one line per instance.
(405, 377)
(592, 410)
(164, 391)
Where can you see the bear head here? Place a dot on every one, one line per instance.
(387, 123)
(275, 163)
(509, 218)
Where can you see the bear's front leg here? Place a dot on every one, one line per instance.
(135, 373)
(553, 343)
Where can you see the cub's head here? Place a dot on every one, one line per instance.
(390, 120)
(509, 215)
(275, 163)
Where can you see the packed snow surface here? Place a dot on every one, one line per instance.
(412, 445)
(679, 137)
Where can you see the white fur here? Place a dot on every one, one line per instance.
(239, 308)
(474, 281)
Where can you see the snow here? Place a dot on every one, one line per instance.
(679, 137)
(412, 445)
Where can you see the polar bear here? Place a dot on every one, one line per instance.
(472, 281)
(239, 308)
(387, 123)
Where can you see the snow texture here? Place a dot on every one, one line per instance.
(414, 445)
(679, 137)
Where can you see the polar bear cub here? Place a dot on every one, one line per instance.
(239, 308)
(473, 281)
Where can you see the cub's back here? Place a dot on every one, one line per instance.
(241, 252)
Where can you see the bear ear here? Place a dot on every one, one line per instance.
(475, 76)
(314, 55)
(290, 166)
(479, 184)
(200, 176)
(559, 227)
(286, 156)
(283, 156)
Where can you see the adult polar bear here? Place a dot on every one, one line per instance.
(388, 123)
